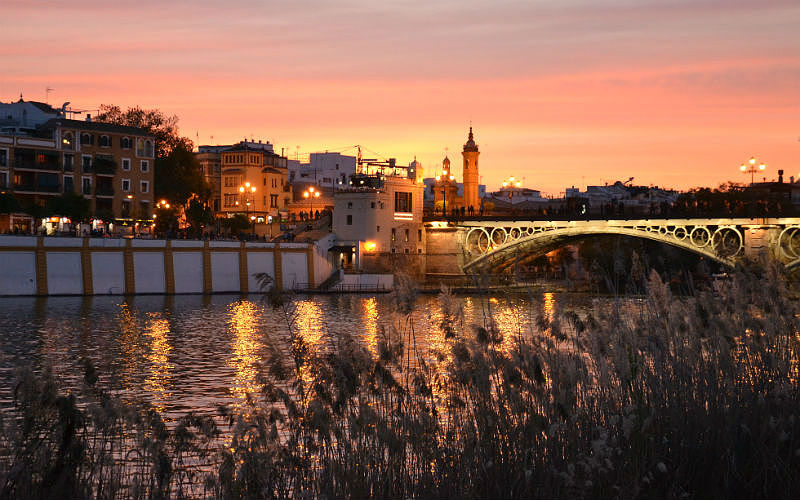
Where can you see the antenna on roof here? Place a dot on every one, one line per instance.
(47, 94)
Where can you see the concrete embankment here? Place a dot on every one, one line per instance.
(37, 265)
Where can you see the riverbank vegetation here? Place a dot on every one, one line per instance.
(661, 397)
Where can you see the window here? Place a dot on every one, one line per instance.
(394, 234)
(419, 234)
(231, 200)
(87, 139)
(139, 147)
(105, 141)
(125, 143)
(406, 250)
(69, 184)
(231, 181)
(349, 204)
(264, 181)
(86, 163)
(406, 240)
(273, 201)
(3, 157)
(126, 208)
(372, 205)
(67, 141)
(3, 179)
(148, 148)
(126, 185)
(86, 185)
(378, 229)
(69, 163)
(144, 186)
(126, 164)
(349, 220)
(275, 183)
(145, 165)
(402, 202)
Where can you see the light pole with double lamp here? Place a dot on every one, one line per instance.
(310, 194)
(751, 168)
(444, 177)
(243, 191)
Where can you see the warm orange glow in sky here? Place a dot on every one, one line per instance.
(672, 92)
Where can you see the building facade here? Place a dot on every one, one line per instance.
(110, 165)
(471, 175)
(254, 182)
(383, 215)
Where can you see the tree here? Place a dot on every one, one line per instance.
(239, 223)
(178, 174)
(166, 220)
(198, 215)
(8, 204)
(71, 205)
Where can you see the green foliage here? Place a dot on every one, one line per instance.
(71, 205)
(8, 204)
(179, 176)
(238, 223)
(163, 128)
(166, 219)
(198, 215)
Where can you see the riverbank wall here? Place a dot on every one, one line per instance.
(38, 265)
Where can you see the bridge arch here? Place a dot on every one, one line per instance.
(495, 246)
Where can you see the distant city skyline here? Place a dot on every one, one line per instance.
(579, 92)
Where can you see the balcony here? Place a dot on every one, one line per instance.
(104, 191)
(104, 166)
(33, 188)
(30, 159)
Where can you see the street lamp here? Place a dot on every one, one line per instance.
(751, 168)
(444, 177)
(243, 190)
(310, 194)
(511, 183)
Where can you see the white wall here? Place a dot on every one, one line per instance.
(108, 273)
(18, 273)
(225, 272)
(294, 269)
(188, 268)
(64, 273)
(148, 272)
(259, 262)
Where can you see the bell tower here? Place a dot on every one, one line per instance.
(470, 172)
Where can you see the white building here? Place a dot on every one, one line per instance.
(382, 215)
(328, 170)
(25, 116)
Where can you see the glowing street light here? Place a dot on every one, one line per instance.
(310, 194)
(444, 177)
(511, 183)
(243, 193)
(751, 168)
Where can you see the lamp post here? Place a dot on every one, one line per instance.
(444, 177)
(511, 183)
(243, 190)
(310, 194)
(751, 168)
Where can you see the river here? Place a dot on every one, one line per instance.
(193, 353)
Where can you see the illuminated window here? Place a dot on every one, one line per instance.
(145, 186)
(67, 141)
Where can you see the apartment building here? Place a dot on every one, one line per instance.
(254, 182)
(111, 165)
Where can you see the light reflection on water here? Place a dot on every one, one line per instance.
(193, 353)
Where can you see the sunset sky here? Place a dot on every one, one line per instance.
(561, 92)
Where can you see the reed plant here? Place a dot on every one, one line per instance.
(657, 397)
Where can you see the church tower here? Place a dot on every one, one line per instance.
(470, 173)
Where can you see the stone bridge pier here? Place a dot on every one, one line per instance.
(473, 246)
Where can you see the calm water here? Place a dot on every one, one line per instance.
(193, 353)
